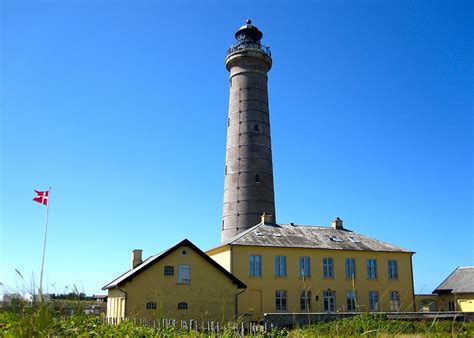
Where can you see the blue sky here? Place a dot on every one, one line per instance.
(121, 107)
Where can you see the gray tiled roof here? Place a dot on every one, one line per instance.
(460, 280)
(305, 236)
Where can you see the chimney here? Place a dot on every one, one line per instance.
(337, 224)
(136, 258)
(266, 218)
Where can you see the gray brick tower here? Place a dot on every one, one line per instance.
(248, 183)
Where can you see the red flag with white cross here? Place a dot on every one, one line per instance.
(41, 197)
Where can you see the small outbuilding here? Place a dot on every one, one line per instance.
(455, 293)
(181, 283)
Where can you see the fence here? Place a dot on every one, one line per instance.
(209, 327)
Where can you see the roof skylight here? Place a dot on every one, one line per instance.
(336, 239)
(354, 239)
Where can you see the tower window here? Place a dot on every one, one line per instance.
(257, 179)
(228, 122)
(230, 81)
(225, 171)
(222, 224)
(255, 128)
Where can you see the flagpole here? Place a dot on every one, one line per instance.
(44, 247)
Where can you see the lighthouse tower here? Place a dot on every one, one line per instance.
(248, 183)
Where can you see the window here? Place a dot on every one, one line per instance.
(394, 301)
(225, 171)
(392, 269)
(351, 301)
(257, 179)
(350, 268)
(255, 128)
(373, 300)
(335, 239)
(182, 306)
(305, 300)
(184, 252)
(451, 306)
(354, 239)
(255, 269)
(328, 269)
(280, 266)
(169, 270)
(228, 122)
(150, 305)
(184, 274)
(305, 266)
(329, 299)
(371, 269)
(280, 300)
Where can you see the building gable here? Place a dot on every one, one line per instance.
(151, 261)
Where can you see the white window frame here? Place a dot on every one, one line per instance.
(280, 300)
(371, 268)
(305, 300)
(373, 301)
(305, 266)
(255, 266)
(328, 267)
(351, 300)
(280, 266)
(394, 301)
(184, 274)
(329, 301)
(350, 268)
(168, 270)
(392, 269)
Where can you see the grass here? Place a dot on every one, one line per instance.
(24, 320)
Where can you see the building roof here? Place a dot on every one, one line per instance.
(306, 236)
(150, 261)
(460, 280)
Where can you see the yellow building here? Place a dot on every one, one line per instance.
(181, 283)
(296, 268)
(455, 293)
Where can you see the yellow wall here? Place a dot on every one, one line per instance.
(222, 256)
(260, 294)
(116, 305)
(463, 302)
(210, 294)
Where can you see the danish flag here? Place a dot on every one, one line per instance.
(41, 197)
